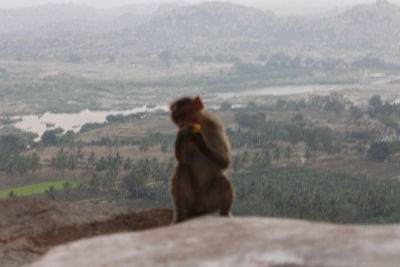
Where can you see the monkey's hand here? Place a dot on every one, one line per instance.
(220, 160)
(195, 128)
(185, 133)
(182, 142)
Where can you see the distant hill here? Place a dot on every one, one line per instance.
(374, 26)
(211, 19)
(211, 27)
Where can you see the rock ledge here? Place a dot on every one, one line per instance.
(214, 241)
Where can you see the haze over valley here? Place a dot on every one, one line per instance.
(310, 103)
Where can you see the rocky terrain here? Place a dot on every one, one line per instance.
(29, 226)
(213, 241)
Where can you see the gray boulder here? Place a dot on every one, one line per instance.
(215, 241)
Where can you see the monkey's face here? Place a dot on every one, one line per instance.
(185, 112)
(187, 116)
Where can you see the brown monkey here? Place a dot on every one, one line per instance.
(199, 185)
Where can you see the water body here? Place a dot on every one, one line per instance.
(72, 121)
(284, 90)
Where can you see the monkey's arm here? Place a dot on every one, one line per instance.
(182, 141)
(221, 159)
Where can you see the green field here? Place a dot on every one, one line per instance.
(35, 189)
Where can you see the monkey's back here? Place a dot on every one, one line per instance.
(203, 169)
(213, 131)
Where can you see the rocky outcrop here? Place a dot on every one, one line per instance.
(212, 241)
(28, 226)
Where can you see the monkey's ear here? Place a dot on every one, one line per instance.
(198, 103)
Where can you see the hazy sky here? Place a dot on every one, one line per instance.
(280, 6)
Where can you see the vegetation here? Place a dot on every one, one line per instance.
(36, 189)
(257, 132)
(302, 193)
(280, 144)
(12, 143)
(380, 151)
(263, 166)
(317, 195)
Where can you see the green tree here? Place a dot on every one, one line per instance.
(51, 137)
(51, 192)
(379, 151)
(277, 153)
(356, 112)
(35, 162)
(164, 147)
(11, 143)
(67, 188)
(298, 117)
(237, 163)
(134, 182)
(60, 162)
(243, 118)
(71, 162)
(79, 154)
(144, 146)
(265, 158)
(128, 164)
(252, 105)
(288, 152)
(375, 101)
(307, 154)
(95, 183)
(91, 161)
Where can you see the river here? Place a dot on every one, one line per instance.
(285, 90)
(72, 121)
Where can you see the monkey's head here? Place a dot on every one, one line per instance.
(186, 111)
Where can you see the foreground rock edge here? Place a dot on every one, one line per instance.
(30, 226)
(214, 241)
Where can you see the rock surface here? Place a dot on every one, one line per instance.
(29, 226)
(212, 241)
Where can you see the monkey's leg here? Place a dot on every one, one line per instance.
(227, 196)
(182, 194)
(219, 196)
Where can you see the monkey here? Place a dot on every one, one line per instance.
(198, 185)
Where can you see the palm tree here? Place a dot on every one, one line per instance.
(128, 164)
(307, 155)
(266, 158)
(51, 192)
(277, 153)
(134, 182)
(91, 161)
(237, 163)
(288, 152)
(79, 154)
(12, 194)
(67, 187)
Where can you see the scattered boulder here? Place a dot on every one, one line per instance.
(216, 241)
(30, 226)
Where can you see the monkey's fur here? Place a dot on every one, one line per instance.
(199, 185)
